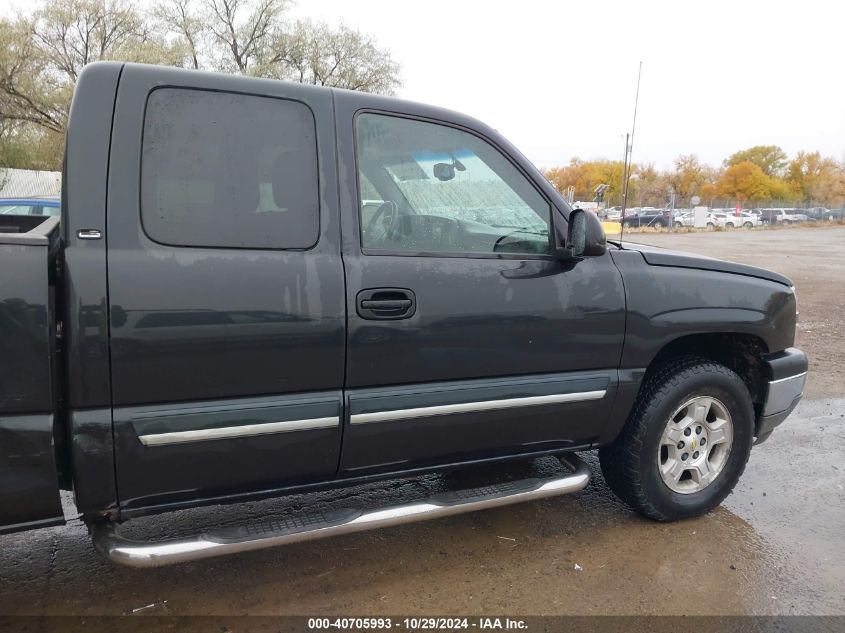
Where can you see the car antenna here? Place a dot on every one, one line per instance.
(629, 151)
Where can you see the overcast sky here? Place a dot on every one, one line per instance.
(559, 78)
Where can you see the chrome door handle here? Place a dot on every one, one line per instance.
(89, 234)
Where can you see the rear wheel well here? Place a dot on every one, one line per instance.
(743, 353)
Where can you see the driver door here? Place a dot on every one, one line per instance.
(467, 338)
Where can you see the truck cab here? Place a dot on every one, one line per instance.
(258, 286)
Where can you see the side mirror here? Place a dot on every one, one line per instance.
(585, 236)
(596, 241)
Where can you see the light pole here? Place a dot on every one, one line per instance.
(629, 150)
(671, 208)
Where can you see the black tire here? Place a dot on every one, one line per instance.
(659, 224)
(729, 225)
(748, 225)
(630, 464)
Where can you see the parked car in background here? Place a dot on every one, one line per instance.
(824, 214)
(781, 216)
(30, 206)
(745, 219)
(684, 219)
(750, 220)
(688, 219)
(612, 213)
(11, 208)
(647, 216)
(718, 219)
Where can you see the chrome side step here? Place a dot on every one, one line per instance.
(271, 533)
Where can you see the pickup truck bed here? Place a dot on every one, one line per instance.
(29, 432)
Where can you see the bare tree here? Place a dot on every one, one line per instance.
(71, 34)
(42, 55)
(181, 18)
(241, 30)
(23, 96)
(27, 146)
(338, 57)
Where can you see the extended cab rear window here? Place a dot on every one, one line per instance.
(229, 170)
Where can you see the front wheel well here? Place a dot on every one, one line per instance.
(742, 353)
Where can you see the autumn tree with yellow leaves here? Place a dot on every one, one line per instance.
(757, 175)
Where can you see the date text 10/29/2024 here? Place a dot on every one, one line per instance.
(417, 624)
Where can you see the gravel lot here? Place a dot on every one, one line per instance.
(775, 547)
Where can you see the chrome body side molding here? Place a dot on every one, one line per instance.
(245, 430)
(474, 407)
(188, 422)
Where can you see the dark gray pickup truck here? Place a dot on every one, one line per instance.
(259, 287)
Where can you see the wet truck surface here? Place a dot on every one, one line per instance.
(259, 288)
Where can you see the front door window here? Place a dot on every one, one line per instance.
(434, 189)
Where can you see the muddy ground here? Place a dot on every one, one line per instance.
(777, 545)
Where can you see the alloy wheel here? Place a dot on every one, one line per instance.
(695, 445)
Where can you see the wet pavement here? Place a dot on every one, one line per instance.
(776, 546)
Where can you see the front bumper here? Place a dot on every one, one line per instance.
(787, 373)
